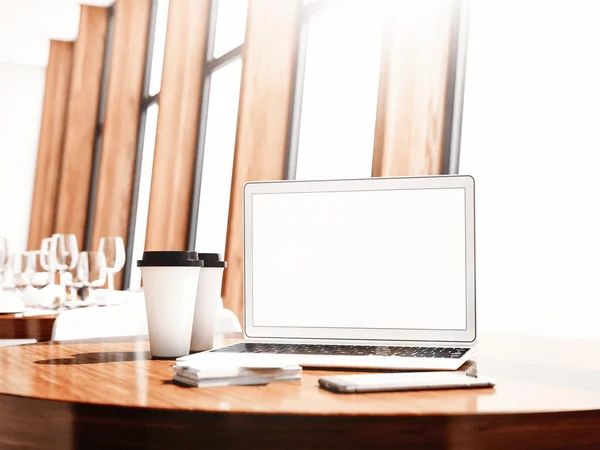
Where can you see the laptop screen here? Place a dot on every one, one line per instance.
(376, 259)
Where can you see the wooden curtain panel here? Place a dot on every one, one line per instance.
(409, 133)
(82, 113)
(52, 133)
(260, 150)
(119, 139)
(175, 149)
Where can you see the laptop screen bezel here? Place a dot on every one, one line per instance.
(363, 334)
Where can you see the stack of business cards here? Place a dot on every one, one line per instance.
(212, 371)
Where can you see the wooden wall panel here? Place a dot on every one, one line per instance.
(260, 151)
(175, 149)
(119, 140)
(409, 134)
(81, 122)
(52, 134)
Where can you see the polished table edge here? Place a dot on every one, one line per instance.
(34, 423)
(39, 327)
(466, 415)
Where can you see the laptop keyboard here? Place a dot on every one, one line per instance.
(350, 350)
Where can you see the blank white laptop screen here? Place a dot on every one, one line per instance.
(389, 259)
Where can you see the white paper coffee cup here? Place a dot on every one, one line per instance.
(208, 302)
(170, 287)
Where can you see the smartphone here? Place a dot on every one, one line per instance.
(404, 381)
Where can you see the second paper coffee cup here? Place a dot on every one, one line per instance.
(208, 301)
(170, 286)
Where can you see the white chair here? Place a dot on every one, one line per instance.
(100, 322)
(228, 322)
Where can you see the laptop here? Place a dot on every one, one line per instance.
(374, 273)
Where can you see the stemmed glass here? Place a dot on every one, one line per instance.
(114, 252)
(38, 278)
(63, 256)
(3, 259)
(35, 271)
(90, 272)
(19, 267)
(45, 260)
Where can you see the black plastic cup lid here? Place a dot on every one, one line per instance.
(212, 260)
(170, 259)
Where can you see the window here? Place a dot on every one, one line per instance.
(217, 129)
(363, 66)
(143, 196)
(230, 26)
(158, 46)
(218, 158)
(339, 92)
(146, 138)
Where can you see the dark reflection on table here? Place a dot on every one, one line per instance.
(98, 358)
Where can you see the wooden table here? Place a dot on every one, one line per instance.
(14, 326)
(111, 394)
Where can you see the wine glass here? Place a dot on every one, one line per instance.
(3, 259)
(44, 257)
(90, 272)
(38, 278)
(46, 260)
(114, 252)
(19, 265)
(64, 251)
(35, 271)
(63, 256)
